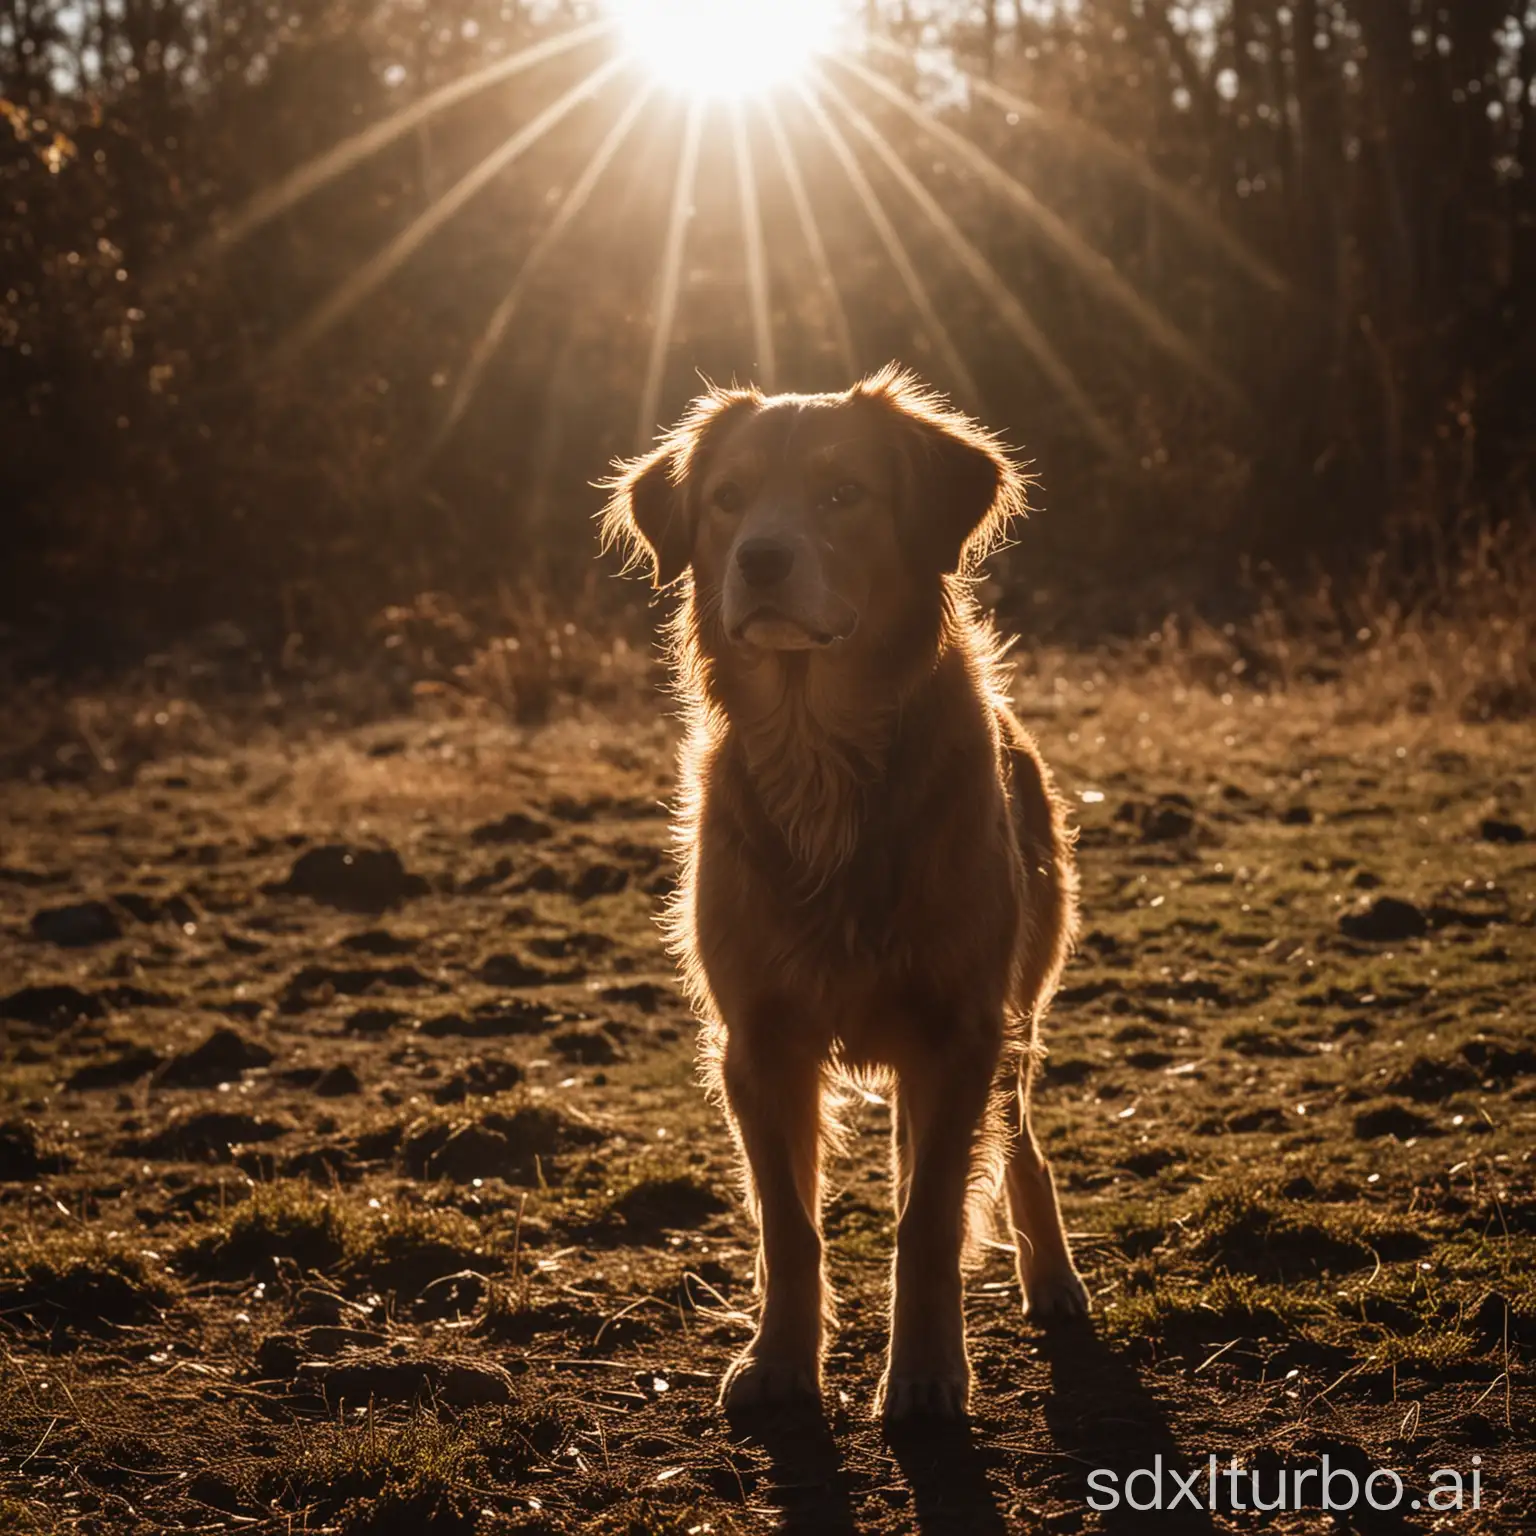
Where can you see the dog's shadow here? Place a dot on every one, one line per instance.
(812, 1488)
(1101, 1416)
(807, 1481)
(942, 1461)
(1097, 1412)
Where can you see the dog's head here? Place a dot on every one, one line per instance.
(814, 522)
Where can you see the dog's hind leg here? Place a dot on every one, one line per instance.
(775, 1100)
(1050, 1281)
(1051, 1284)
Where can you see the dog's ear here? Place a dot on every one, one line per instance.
(647, 515)
(963, 487)
(651, 511)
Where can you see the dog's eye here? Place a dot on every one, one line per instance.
(730, 497)
(848, 493)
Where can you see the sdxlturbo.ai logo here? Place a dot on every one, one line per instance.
(1235, 1487)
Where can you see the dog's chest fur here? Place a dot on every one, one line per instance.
(898, 888)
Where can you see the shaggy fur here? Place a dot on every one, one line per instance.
(877, 879)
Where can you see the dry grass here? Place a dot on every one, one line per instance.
(1298, 1159)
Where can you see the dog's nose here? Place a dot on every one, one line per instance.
(764, 562)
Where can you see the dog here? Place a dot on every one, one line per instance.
(876, 875)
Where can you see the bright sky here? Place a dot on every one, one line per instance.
(726, 48)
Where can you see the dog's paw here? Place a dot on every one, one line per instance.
(905, 1395)
(767, 1381)
(1055, 1296)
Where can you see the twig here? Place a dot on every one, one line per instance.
(40, 1444)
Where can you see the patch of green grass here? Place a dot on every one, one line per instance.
(506, 1139)
(286, 1219)
(82, 1280)
(1255, 1233)
(1185, 1315)
(395, 1248)
(1437, 1350)
(20, 1519)
(417, 1476)
(656, 1195)
(405, 1248)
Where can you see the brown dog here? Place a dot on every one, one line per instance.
(876, 876)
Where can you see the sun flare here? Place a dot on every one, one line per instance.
(725, 48)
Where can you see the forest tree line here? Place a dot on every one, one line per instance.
(1334, 201)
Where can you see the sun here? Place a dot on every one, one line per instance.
(725, 48)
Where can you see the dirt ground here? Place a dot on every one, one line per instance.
(354, 1177)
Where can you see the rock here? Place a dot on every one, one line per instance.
(1385, 920)
(77, 926)
(126, 1067)
(221, 1058)
(1495, 831)
(351, 879)
(55, 1006)
(1297, 816)
(514, 827)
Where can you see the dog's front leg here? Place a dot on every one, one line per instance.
(774, 1095)
(941, 1101)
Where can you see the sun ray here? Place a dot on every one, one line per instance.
(1091, 264)
(1096, 141)
(378, 268)
(754, 252)
(1009, 310)
(960, 376)
(671, 280)
(810, 230)
(572, 204)
(314, 174)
